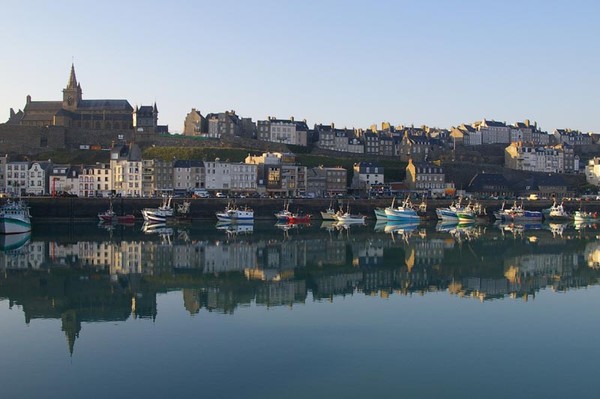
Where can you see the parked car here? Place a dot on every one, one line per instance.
(220, 195)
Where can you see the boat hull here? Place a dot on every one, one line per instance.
(380, 214)
(236, 216)
(298, 219)
(446, 215)
(14, 225)
(399, 215)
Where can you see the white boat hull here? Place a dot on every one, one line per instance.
(398, 215)
(14, 225)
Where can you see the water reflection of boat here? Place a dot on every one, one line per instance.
(328, 225)
(556, 228)
(400, 227)
(13, 242)
(235, 228)
(157, 228)
(582, 225)
(518, 227)
(380, 226)
(347, 223)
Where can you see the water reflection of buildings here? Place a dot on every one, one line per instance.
(86, 281)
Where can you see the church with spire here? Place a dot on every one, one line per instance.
(78, 113)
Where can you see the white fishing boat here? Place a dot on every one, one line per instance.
(233, 214)
(14, 218)
(284, 214)
(585, 216)
(556, 212)
(517, 214)
(404, 212)
(347, 217)
(350, 218)
(328, 214)
(380, 214)
(160, 214)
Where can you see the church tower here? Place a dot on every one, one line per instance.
(72, 93)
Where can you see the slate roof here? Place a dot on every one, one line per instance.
(487, 182)
(495, 124)
(188, 163)
(550, 180)
(130, 152)
(116, 105)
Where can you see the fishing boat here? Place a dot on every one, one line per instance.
(328, 214)
(403, 212)
(466, 216)
(183, 212)
(380, 214)
(160, 214)
(298, 218)
(110, 216)
(347, 217)
(284, 214)
(14, 218)
(585, 216)
(556, 212)
(469, 213)
(517, 214)
(350, 218)
(233, 214)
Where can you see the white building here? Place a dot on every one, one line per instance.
(63, 179)
(95, 180)
(188, 175)
(37, 178)
(592, 171)
(16, 177)
(126, 168)
(284, 131)
(493, 132)
(242, 177)
(522, 156)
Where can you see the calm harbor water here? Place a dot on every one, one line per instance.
(310, 311)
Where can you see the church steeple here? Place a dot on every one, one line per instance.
(72, 93)
(72, 83)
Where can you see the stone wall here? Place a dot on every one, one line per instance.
(29, 140)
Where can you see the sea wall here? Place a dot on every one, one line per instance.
(264, 208)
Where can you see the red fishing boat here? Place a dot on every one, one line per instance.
(298, 218)
(110, 216)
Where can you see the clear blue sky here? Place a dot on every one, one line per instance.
(355, 63)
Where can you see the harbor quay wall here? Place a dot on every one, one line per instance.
(264, 208)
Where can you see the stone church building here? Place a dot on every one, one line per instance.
(78, 113)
